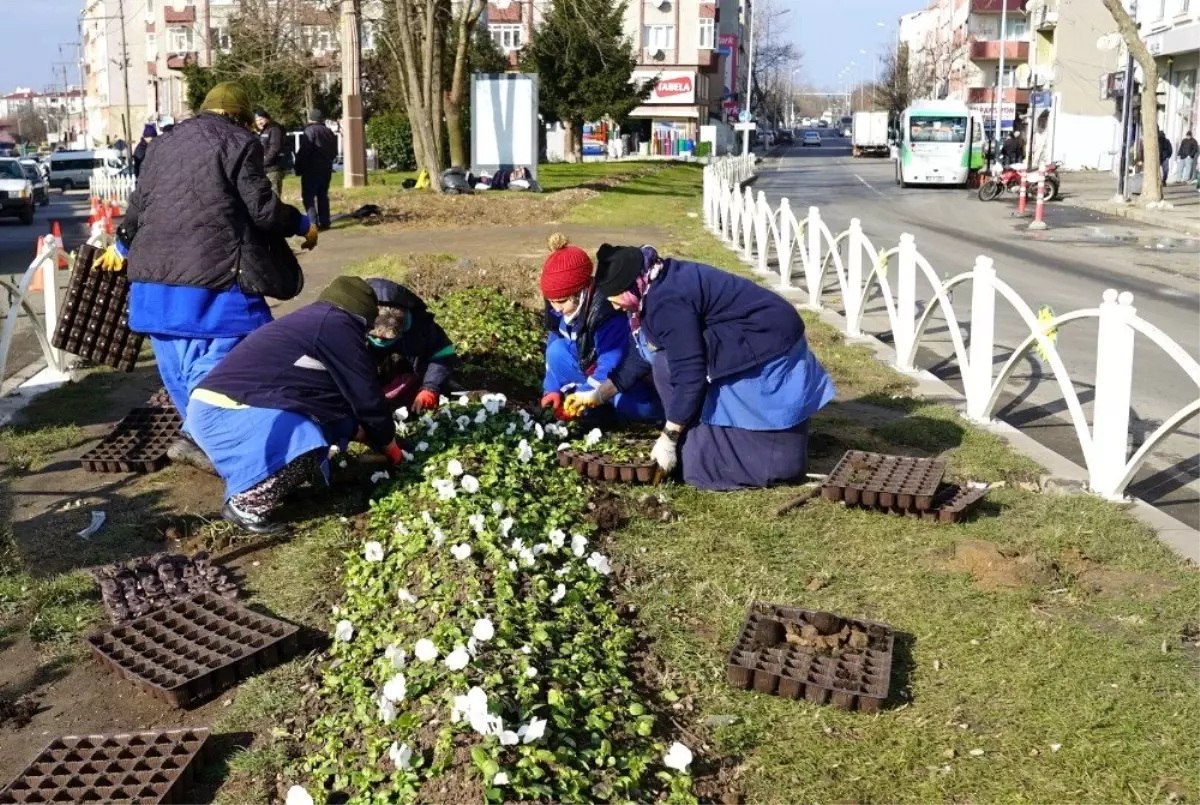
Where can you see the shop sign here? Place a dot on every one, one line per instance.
(671, 87)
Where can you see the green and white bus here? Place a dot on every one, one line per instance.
(940, 143)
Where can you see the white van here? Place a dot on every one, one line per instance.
(72, 169)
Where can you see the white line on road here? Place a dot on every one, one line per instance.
(868, 184)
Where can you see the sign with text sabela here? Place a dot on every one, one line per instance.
(671, 86)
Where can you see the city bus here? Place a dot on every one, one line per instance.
(940, 143)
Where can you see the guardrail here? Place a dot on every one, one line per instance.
(116, 189)
(755, 229)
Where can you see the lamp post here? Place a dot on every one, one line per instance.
(792, 98)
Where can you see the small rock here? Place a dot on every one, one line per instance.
(937, 665)
(949, 753)
(1055, 747)
(817, 583)
(227, 702)
(976, 753)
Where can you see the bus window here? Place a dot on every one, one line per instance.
(923, 129)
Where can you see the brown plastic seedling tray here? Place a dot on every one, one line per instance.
(139, 767)
(600, 468)
(884, 481)
(94, 320)
(138, 443)
(131, 590)
(847, 677)
(195, 648)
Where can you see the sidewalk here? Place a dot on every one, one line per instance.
(1094, 190)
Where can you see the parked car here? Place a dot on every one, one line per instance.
(41, 187)
(811, 138)
(16, 191)
(822, 124)
(784, 137)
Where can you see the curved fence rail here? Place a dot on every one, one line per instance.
(45, 267)
(807, 251)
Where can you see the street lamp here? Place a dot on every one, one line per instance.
(792, 98)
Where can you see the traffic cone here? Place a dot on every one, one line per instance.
(109, 229)
(36, 283)
(1038, 221)
(56, 231)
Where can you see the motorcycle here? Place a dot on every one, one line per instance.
(1009, 180)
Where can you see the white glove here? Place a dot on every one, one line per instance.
(665, 452)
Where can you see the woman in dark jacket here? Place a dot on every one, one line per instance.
(586, 337)
(413, 356)
(730, 362)
(149, 132)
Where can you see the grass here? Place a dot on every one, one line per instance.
(51, 422)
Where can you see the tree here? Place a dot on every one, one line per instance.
(1128, 29)
(585, 65)
(463, 36)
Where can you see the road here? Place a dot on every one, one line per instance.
(17, 246)
(1067, 267)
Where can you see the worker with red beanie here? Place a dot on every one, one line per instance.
(586, 340)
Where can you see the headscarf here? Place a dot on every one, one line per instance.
(634, 298)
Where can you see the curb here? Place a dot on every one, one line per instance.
(1136, 213)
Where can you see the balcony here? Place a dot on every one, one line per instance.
(171, 15)
(996, 6)
(177, 61)
(990, 51)
(988, 95)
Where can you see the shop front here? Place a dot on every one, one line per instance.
(668, 124)
(1177, 52)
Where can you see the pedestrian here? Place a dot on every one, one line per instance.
(1187, 152)
(586, 338)
(414, 358)
(269, 412)
(731, 364)
(1164, 154)
(204, 234)
(276, 154)
(314, 166)
(149, 132)
(1012, 150)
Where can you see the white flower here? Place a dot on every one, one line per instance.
(425, 650)
(396, 655)
(396, 689)
(593, 438)
(455, 468)
(407, 456)
(526, 650)
(427, 517)
(540, 548)
(461, 551)
(559, 592)
(493, 402)
(296, 795)
(457, 660)
(344, 631)
(480, 417)
(500, 779)
(517, 545)
(378, 476)
(462, 422)
(509, 738)
(512, 565)
(474, 709)
(524, 452)
(463, 400)
(477, 522)
(401, 414)
(511, 429)
(558, 537)
(678, 757)
(439, 537)
(539, 432)
(483, 630)
(506, 525)
(401, 755)
(530, 732)
(400, 530)
(445, 489)
(373, 551)
(387, 710)
(578, 544)
(526, 556)
(562, 571)
(562, 447)
(497, 508)
(406, 597)
(530, 672)
(431, 427)
(472, 646)
(528, 425)
(422, 447)
(599, 563)
(470, 484)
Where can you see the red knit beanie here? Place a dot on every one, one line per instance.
(567, 271)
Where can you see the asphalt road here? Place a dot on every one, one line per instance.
(1067, 267)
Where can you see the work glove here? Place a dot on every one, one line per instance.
(308, 230)
(666, 451)
(581, 401)
(552, 399)
(426, 400)
(113, 258)
(394, 454)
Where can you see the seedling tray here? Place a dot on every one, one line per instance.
(878, 480)
(131, 590)
(600, 468)
(139, 767)
(853, 675)
(138, 443)
(194, 648)
(94, 320)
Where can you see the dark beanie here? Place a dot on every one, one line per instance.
(353, 295)
(148, 130)
(393, 294)
(617, 268)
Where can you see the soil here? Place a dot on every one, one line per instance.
(996, 569)
(826, 634)
(19, 712)
(608, 511)
(1110, 583)
(459, 783)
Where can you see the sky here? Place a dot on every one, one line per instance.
(33, 31)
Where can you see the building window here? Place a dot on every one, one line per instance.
(219, 38)
(708, 34)
(324, 40)
(660, 37)
(1018, 29)
(508, 37)
(1009, 79)
(368, 36)
(181, 40)
(151, 47)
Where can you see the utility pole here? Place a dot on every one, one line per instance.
(1000, 77)
(125, 71)
(1127, 122)
(354, 147)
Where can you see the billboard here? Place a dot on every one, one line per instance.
(671, 87)
(504, 122)
(727, 46)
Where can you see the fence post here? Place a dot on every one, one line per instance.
(707, 195)
(906, 303)
(1114, 384)
(977, 374)
(854, 279)
(812, 265)
(749, 216)
(761, 228)
(783, 250)
(50, 302)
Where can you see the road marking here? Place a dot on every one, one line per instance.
(868, 184)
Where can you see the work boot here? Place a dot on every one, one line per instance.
(184, 451)
(253, 523)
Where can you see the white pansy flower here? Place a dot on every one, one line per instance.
(470, 484)
(445, 489)
(528, 425)
(380, 475)
(400, 755)
(401, 414)
(562, 571)
(558, 537)
(405, 596)
(483, 630)
(439, 537)
(457, 660)
(497, 508)
(480, 416)
(396, 656)
(455, 467)
(477, 522)
(400, 529)
(387, 710)
(526, 650)
(421, 447)
(562, 447)
(540, 548)
(578, 544)
(373, 551)
(407, 456)
(524, 452)
(296, 795)
(427, 517)
(431, 427)
(593, 438)
(559, 592)
(464, 400)
(526, 556)
(599, 563)
(531, 672)
(530, 732)
(517, 545)
(493, 402)
(678, 757)
(512, 565)
(344, 631)
(511, 429)
(461, 551)
(509, 738)
(506, 526)
(472, 646)
(425, 650)
(443, 400)
(539, 432)
(396, 688)
(462, 422)
(500, 779)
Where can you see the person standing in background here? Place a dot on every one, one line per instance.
(1187, 152)
(1164, 154)
(314, 166)
(139, 152)
(275, 151)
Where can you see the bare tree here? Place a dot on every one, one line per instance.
(467, 17)
(415, 43)
(1128, 29)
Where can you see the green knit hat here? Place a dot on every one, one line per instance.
(353, 295)
(229, 99)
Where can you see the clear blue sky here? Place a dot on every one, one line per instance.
(830, 33)
(33, 31)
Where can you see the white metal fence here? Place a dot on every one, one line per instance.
(46, 262)
(116, 189)
(806, 250)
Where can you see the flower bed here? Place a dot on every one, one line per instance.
(478, 654)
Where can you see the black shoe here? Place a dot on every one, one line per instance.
(250, 522)
(184, 451)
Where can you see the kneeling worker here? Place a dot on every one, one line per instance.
(413, 356)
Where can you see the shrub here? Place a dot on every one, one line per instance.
(391, 136)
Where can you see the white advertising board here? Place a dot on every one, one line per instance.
(504, 122)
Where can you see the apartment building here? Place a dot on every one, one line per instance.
(111, 114)
(1171, 30)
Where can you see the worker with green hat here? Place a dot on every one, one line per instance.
(205, 240)
(268, 413)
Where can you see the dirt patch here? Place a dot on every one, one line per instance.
(406, 211)
(18, 712)
(993, 568)
(1107, 582)
(460, 782)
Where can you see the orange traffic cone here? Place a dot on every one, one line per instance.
(109, 229)
(56, 231)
